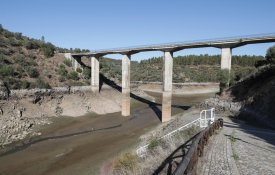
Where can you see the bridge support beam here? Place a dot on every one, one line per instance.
(125, 103)
(167, 86)
(95, 74)
(226, 58)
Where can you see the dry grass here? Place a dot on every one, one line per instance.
(158, 151)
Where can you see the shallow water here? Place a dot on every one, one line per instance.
(181, 99)
(80, 145)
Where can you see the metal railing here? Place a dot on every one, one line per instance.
(142, 150)
(189, 162)
(207, 117)
(203, 121)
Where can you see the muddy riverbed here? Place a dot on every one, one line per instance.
(80, 145)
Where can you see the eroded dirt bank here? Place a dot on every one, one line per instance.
(21, 114)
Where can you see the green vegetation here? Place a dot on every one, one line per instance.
(270, 55)
(154, 143)
(40, 83)
(23, 60)
(193, 68)
(127, 162)
(79, 70)
(73, 75)
(33, 72)
(233, 139)
(226, 78)
(48, 49)
(86, 73)
(67, 62)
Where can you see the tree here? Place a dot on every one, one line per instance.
(226, 78)
(43, 39)
(48, 49)
(270, 55)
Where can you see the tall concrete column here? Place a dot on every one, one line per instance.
(167, 86)
(226, 58)
(125, 104)
(95, 74)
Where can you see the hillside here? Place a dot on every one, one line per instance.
(33, 63)
(192, 68)
(257, 92)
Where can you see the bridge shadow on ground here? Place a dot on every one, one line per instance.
(174, 159)
(256, 132)
(154, 106)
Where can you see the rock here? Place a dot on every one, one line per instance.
(36, 99)
(1, 111)
(58, 110)
(30, 125)
(4, 91)
(19, 113)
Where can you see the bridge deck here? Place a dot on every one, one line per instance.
(231, 42)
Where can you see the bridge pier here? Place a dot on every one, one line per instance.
(167, 86)
(226, 56)
(95, 74)
(126, 101)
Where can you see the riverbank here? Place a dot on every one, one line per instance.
(80, 145)
(21, 114)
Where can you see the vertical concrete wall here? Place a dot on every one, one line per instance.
(125, 104)
(95, 74)
(167, 86)
(68, 56)
(226, 58)
(76, 64)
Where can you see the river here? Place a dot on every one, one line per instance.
(80, 145)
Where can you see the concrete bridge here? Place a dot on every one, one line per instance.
(225, 44)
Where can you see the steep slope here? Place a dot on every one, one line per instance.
(31, 63)
(258, 94)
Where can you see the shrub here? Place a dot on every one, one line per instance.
(67, 62)
(62, 78)
(25, 84)
(79, 70)
(20, 59)
(33, 72)
(270, 55)
(40, 83)
(6, 70)
(62, 71)
(127, 161)
(87, 73)
(73, 75)
(226, 78)
(29, 44)
(2, 58)
(154, 143)
(48, 49)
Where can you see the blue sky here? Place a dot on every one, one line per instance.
(103, 24)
